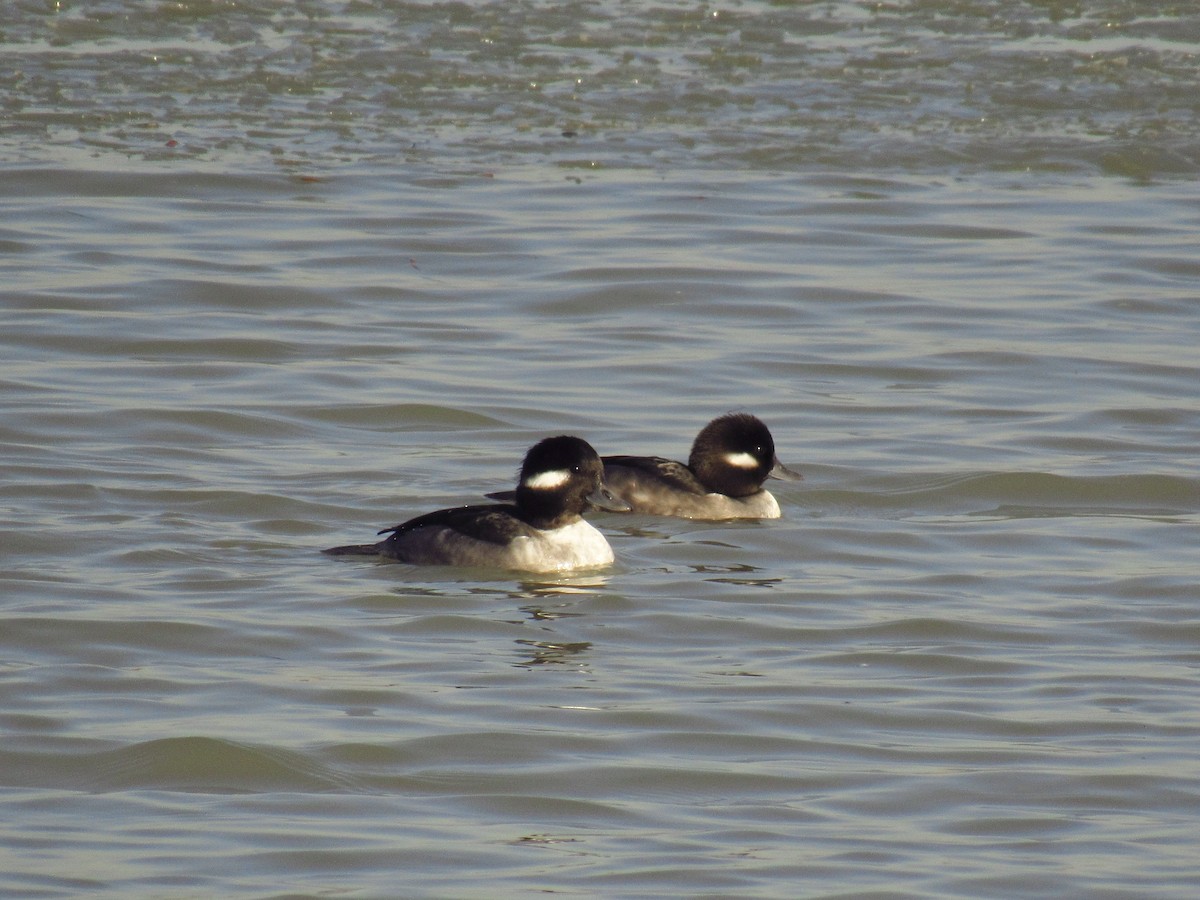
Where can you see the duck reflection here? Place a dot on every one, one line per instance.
(552, 653)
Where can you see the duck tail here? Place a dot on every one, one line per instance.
(354, 550)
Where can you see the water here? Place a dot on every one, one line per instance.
(275, 277)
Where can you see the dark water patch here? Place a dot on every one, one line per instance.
(1017, 494)
(949, 232)
(193, 428)
(191, 764)
(404, 417)
(182, 184)
(104, 643)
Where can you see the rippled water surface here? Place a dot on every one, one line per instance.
(278, 275)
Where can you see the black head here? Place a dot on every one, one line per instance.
(733, 455)
(560, 477)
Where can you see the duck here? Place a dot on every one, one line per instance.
(542, 530)
(731, 458)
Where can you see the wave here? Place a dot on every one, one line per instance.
(1017, 495)
(190, 764)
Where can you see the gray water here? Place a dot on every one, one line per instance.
(278, 275)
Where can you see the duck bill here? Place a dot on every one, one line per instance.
(603, 498)
(783, 473)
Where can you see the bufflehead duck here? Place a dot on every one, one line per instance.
(731, 458)
(543, 531)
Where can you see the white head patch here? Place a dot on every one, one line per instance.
(741, 460)
(546, 481)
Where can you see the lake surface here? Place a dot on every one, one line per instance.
(277, 276)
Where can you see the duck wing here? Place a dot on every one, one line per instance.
(667, 471)
(495, 524)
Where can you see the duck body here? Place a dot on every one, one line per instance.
(664, 487)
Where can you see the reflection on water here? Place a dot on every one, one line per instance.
(564, 585)
(543, 653)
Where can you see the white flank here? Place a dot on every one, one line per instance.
(545, 481)
(741, 460)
